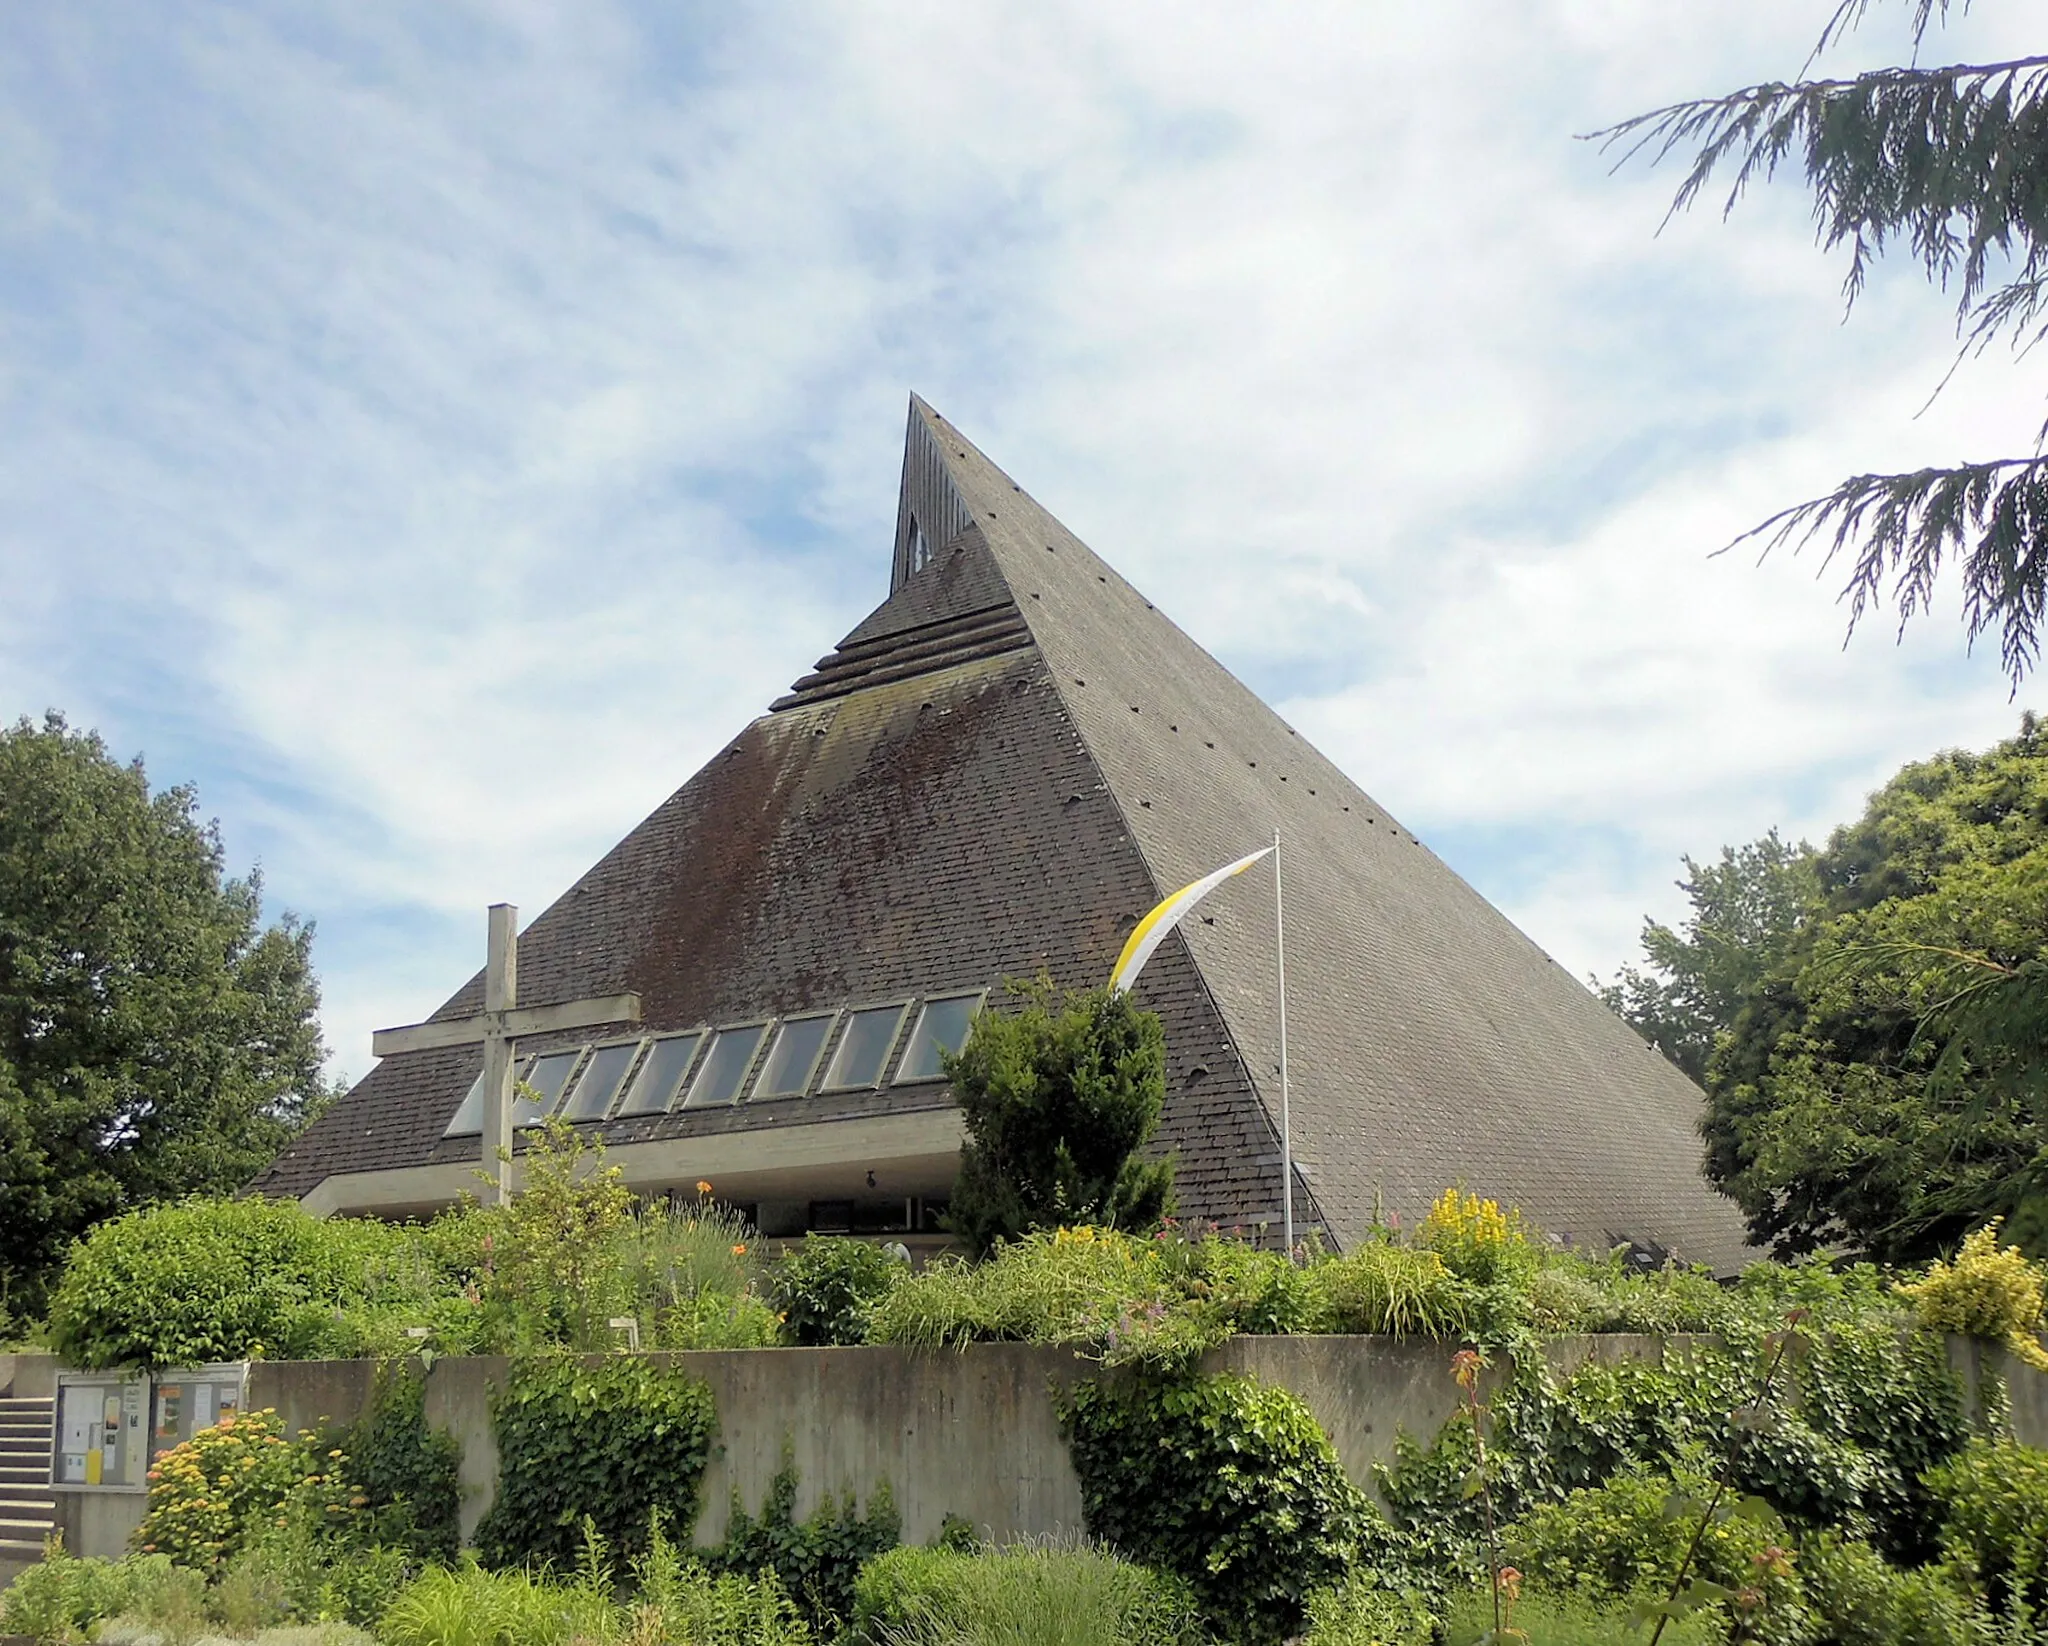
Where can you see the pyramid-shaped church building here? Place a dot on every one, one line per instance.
(996, 773)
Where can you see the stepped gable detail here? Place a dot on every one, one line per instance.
(997, 772)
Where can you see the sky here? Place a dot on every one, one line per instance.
(432, 431)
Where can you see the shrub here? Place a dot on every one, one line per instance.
(1363, 1612)
(614, 1442)
(1477, 1240)
(198, 1281)
(406, 1471)
(60, 1600)
(1862, 1601)
(691, 1274)
(469, 1606)
(1159, 1303)
(1228, 1483)
(815, 1561)
(1057, 1099)
(1554, 1619)
(1629, 1536)
(1994, 1499)
(207, 1495)
(827, 1287)
(1023, 1593)
(1987, 1292)
(1396, 1290)
(678, 1600)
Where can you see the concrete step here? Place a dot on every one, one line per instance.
(36, 1474)
(26, 1499)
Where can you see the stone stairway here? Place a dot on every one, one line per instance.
(28, 1508)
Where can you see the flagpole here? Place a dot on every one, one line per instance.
(1286, 1134)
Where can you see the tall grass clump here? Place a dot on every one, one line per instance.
(1029, 1594)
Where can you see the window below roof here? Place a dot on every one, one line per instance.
(549, 1078)
(469, 1113)
(943, 1023)
(600, 1081)
(864, 1049)
(793, 1058)
(723, 1072)
(655, 1086)
(468, 1120)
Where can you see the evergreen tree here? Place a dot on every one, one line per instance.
(155, 1039)
(1951, 165)
(1058, 1098)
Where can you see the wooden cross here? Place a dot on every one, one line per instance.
(503, 1021)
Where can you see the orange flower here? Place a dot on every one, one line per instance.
(1510, 1581)
(1465, 1366)
(740, 1250)
(703, 1187)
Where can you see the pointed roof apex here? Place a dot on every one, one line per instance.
(930, 512)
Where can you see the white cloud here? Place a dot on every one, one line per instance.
(435, 432)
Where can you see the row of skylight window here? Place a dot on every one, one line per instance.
(715, 1068)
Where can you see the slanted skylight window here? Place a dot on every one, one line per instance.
(942, 1023)
(793, 1059)
(549, 1078)
(469, 1113)
(600, 1081)
(864, 1049)
(655, 1086)
(724, 1069)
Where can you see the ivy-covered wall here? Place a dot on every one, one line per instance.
(973, 1433)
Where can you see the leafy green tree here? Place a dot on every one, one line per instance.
(1746, 909)
(1058, 1098)
(1881, 1080)
(1947, 164)
(156, 1039)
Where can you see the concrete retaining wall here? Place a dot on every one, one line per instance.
(971, 1433)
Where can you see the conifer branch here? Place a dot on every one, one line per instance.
(1991, 516)
(1951, 161)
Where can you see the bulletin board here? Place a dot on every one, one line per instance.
(98, 1445)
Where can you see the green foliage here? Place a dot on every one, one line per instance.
(1988, 1292)
(208, 1496)
(193, 1282)
(1228, 1483)
(1995, 1525)
(1158, 1302)
(815, 1560)
(1058, 1098)
(1852, 1100)
(1550, 1619)
(678, 1600)
(1363, 1611)
(827, 1287)
(1628, 1537)
(614, 1443)
(1861, 1601)
(60, 1600)
(208, 1280)
(1943, 162)
(1397, 1290)
(406, 1471)
(1023, 1595)
(156, 1039)
(1746, 909)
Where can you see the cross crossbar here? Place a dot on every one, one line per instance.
(502, 1021)
(515, 1024)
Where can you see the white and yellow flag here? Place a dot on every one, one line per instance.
(1150, 932)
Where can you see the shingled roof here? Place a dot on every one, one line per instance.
(997, 772)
